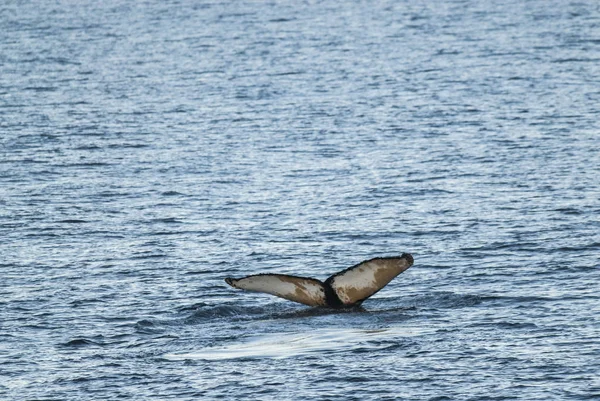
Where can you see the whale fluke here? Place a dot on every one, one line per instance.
(347, 288)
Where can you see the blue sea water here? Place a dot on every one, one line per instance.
(150, 149)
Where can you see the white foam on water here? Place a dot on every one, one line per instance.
(286, 345)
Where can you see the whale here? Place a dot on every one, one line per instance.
(345, 289)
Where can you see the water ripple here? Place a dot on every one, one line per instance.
(149, 152)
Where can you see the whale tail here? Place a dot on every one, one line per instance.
(347, 288)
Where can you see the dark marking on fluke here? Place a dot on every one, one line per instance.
(345, 289)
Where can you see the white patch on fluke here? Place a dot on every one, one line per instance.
(347, 288)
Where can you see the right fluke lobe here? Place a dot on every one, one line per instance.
(359, 282)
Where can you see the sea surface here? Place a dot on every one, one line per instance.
(150, 149)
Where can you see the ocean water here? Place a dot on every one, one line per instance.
(150, 149)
